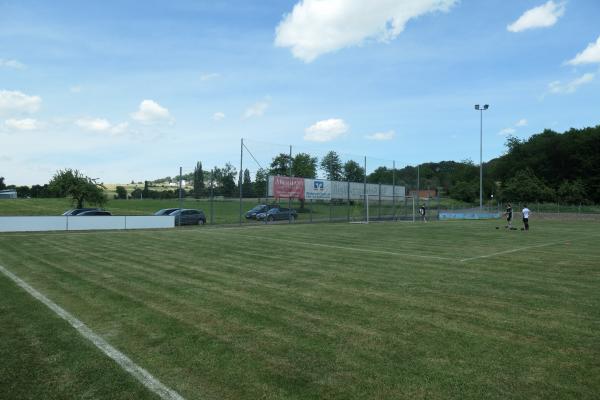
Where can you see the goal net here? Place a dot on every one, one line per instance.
(374, 208)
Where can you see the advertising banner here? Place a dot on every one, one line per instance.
(323, 189)
(285, 187)
(317, 189)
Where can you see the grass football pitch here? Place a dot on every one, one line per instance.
(328, 311)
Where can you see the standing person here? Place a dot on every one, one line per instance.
(422, 212)
(509, 215)
(525, 213)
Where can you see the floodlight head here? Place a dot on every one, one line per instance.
(477, 106)
(486, 106)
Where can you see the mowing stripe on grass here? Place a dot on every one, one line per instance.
(331, 246)
(511, 251)
(124, 362)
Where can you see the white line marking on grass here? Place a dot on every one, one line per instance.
(331, 246)
(511, 251)
(125, 362)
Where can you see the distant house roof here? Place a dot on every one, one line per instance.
(8, 194)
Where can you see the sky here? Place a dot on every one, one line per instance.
(128, 90)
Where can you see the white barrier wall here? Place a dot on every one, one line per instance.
(142, 222)
(32, 224)
(78, 223)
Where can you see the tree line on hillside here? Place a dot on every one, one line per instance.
(547, 167)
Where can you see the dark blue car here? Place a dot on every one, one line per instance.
(277, 214)
(261, 208)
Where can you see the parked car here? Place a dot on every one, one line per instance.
(189, 217)
(166, 211)
(277, 214)
(261, 208)
(77, 211)
(93, 213)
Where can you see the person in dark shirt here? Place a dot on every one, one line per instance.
(423, 212)
(509, 215)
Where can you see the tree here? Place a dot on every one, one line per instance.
(572, 192)
(2, 185)
(146, 191)
(23, 191)
(198, 180)
(304, 166)
(41, 191)
(121, 192)
(260, 183)
(332, 166)
(465, 191)
(353, 172)
(247, 189)
(136, 193)
(280, 165)
(526, 186)
(80, 188)
(224, 179)
(381, 175)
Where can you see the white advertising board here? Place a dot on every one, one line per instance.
(317, 189)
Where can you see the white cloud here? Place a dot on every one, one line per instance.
(102, 125)
(94, 124)
(381, 136)
(521, 122)
(208, 77)
(75, 89)
(539, 17)
(506, 131)
(588, 56)
(326, 130)
(218, 116)
(570, 87)
(509, 131)
(11, 64)
(316, 27)
(149, 112)
(15, 101)
(26, 124)
(256, 109)
(120, 128)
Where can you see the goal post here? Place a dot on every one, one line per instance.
(376, 208)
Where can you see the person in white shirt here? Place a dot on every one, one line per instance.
(526, 213)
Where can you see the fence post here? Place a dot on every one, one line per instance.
(348, 202)
(393, 190)
(365, 198)
(379, 212)
(241, 175)
(212, 196)
(290, 190)
(180, 195)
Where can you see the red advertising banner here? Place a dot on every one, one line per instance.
(286, 187)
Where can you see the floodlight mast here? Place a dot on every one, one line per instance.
(481, 110)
